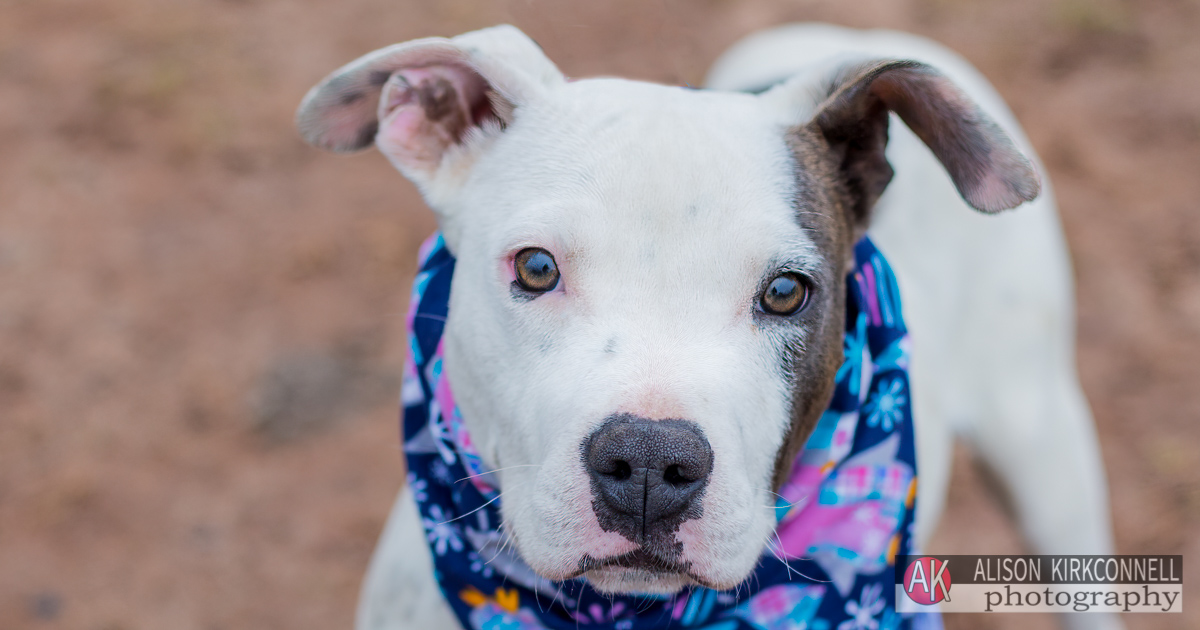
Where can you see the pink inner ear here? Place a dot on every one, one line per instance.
(424, 111)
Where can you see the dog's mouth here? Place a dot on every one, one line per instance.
(638, 571)
(636, 559)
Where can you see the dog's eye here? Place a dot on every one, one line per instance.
(535, 270)
(787, 294)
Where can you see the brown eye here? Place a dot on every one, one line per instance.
(535, 270)
(786, 294)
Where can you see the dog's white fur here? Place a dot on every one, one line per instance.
(643, 217)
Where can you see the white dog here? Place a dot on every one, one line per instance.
(662, 213)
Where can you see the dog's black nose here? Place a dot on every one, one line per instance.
(647, 475)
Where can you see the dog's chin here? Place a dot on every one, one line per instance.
(629, 581)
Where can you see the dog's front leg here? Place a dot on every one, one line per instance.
(1039, 441)
(399, 592)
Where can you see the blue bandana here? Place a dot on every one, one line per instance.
(845, 511)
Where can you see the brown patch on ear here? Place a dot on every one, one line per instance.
(424, 111)
(366, 135)
(493, 70)
(438, 98)
(502, 108)
(376, 78)
(988, 170)
(338, 111)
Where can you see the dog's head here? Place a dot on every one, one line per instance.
(647, 313)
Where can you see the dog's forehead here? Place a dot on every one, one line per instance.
(622, 132)
(681, 177)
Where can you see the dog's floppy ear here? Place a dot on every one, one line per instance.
(986, 167)
(427, 102)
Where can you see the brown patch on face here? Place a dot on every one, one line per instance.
(823, 209)
(841, 171)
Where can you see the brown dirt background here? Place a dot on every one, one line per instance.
(201, 318)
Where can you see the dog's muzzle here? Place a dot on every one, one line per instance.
(647, 477)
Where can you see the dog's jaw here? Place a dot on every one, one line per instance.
(621, 580)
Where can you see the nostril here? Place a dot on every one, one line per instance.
(647, 476)
(621, 470)
(674, 476)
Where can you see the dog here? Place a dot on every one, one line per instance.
(614, 243)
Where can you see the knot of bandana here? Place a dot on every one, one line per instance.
(845, 511)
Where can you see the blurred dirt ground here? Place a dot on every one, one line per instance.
(201, 319)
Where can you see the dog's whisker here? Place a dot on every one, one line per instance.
(462, 516)
(557, 593)
(578, 605)
(537, 599)
(785, 562)
(780, 558)
(505, 542)
(778, 553)
(490, 472)
(789, 504)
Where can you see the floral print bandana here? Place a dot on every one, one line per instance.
(844, 513)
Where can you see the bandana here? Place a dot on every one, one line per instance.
(844, 513)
